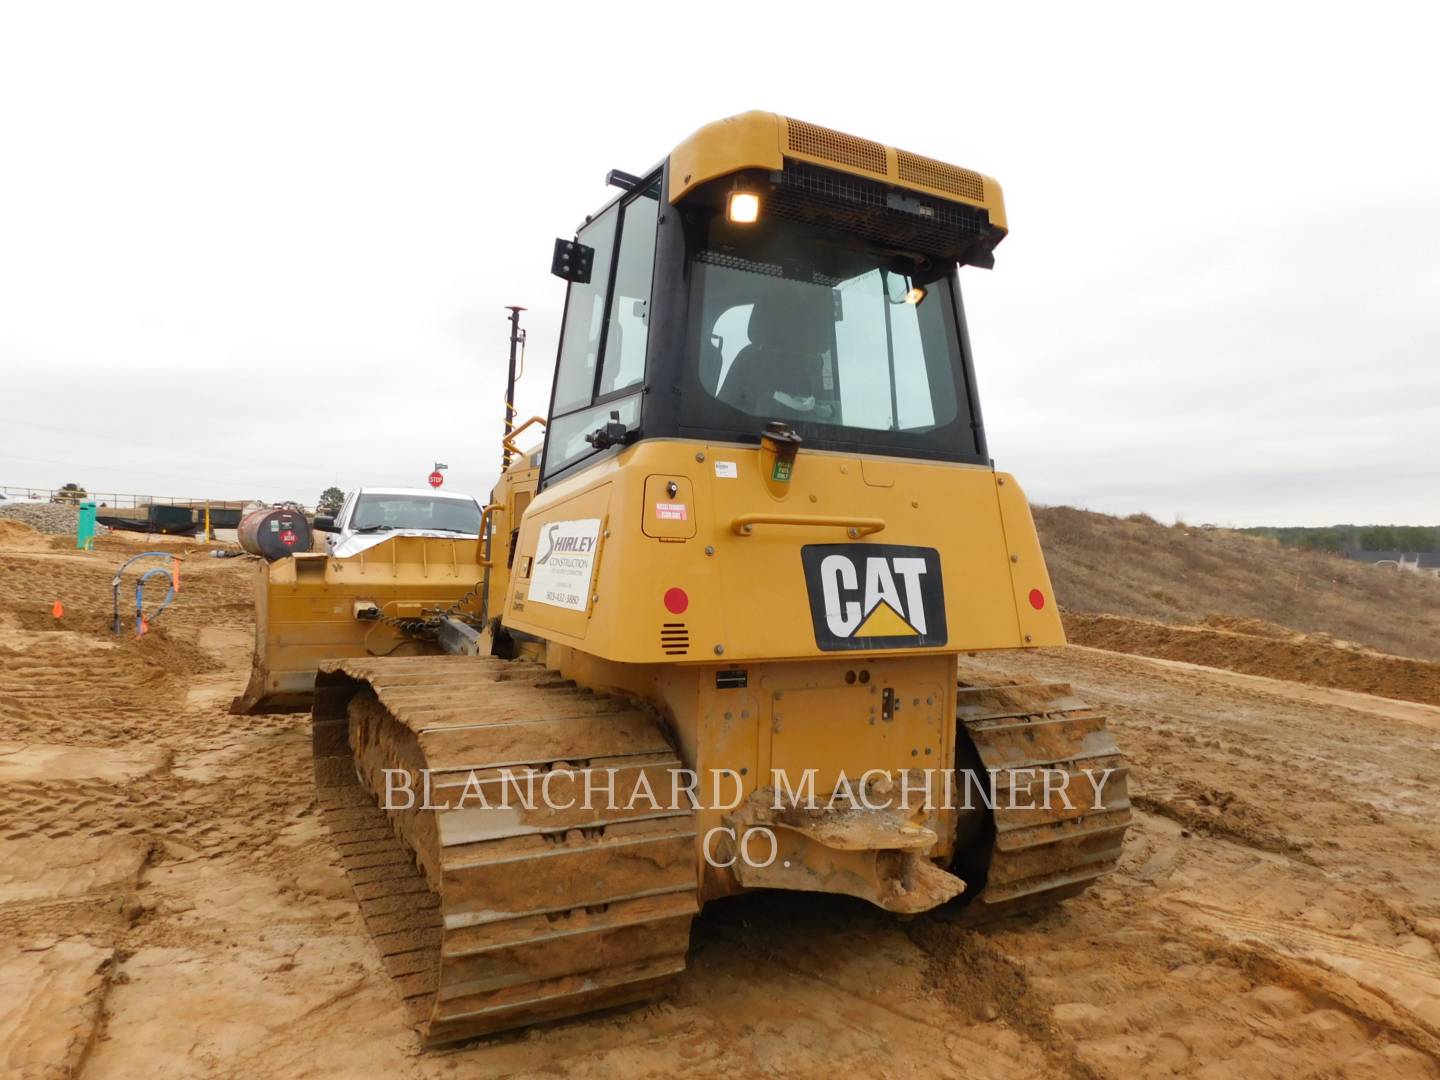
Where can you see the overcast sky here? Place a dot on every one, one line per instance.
(255, 250)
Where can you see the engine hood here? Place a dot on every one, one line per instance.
(355, 543)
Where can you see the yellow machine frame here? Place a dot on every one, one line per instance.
(779, 611)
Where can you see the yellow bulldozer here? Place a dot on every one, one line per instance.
(717, 639)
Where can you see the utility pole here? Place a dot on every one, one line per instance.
(517, 341)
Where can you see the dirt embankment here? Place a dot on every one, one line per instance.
(1259, 648)
(18, 536)
(1181, 574)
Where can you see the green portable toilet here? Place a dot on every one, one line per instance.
(85, 526)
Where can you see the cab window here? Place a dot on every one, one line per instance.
(629, 323)
(585, 319)
(601, 366)
(841, 338)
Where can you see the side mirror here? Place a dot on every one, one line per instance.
(325, 523)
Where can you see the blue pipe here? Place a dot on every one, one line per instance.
(115, 588)
(140, 597)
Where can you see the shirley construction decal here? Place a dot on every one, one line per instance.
(564, 563)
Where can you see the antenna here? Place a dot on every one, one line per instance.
(517, 337)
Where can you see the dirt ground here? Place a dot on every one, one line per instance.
(171, 907)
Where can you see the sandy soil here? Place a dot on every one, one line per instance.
(1261, 648)
(171, 907)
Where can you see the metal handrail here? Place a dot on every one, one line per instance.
(482, 554)
(509, 441)
(118, 500)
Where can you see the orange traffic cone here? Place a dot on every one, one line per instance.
(58, 610)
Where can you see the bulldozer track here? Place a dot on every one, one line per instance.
(496, 916)
(1044, 848)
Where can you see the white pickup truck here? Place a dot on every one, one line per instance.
(372, 515)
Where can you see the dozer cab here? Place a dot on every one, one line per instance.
(725, 607)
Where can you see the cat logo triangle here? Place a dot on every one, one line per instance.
(884, 621)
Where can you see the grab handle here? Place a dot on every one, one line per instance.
(856, 527)
(483, 555)
(508, 442)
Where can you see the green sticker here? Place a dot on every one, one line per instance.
(781, 472)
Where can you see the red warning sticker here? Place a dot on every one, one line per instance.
(287, 537)
(671, 511)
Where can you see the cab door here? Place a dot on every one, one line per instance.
(600, 373)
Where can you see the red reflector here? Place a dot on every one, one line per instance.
(1037, 599)
(676, 601)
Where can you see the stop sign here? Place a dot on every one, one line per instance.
(436, 479)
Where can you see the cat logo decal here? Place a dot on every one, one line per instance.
(874, 596)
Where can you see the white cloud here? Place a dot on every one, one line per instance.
(259, 250)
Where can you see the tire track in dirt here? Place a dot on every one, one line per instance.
(90, 792)
(980, 982)
(1291, 816)
(1378, 1014)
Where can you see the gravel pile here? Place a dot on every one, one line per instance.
(58, 519)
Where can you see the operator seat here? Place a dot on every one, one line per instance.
(779, 373)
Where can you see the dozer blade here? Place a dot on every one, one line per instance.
(307, 607)
(493, 916)
(1044, 844)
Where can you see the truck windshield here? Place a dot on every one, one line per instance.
(844, 340)
(378, 512)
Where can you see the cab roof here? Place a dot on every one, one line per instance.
(764, 140)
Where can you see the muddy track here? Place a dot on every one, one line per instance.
(1039, 858)
(517, 914)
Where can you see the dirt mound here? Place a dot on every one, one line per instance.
(1317, 659)
(17, 536)
(166, 652)
(1181, 574)
(1240, 624)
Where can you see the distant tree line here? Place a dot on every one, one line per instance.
(1356, 537)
